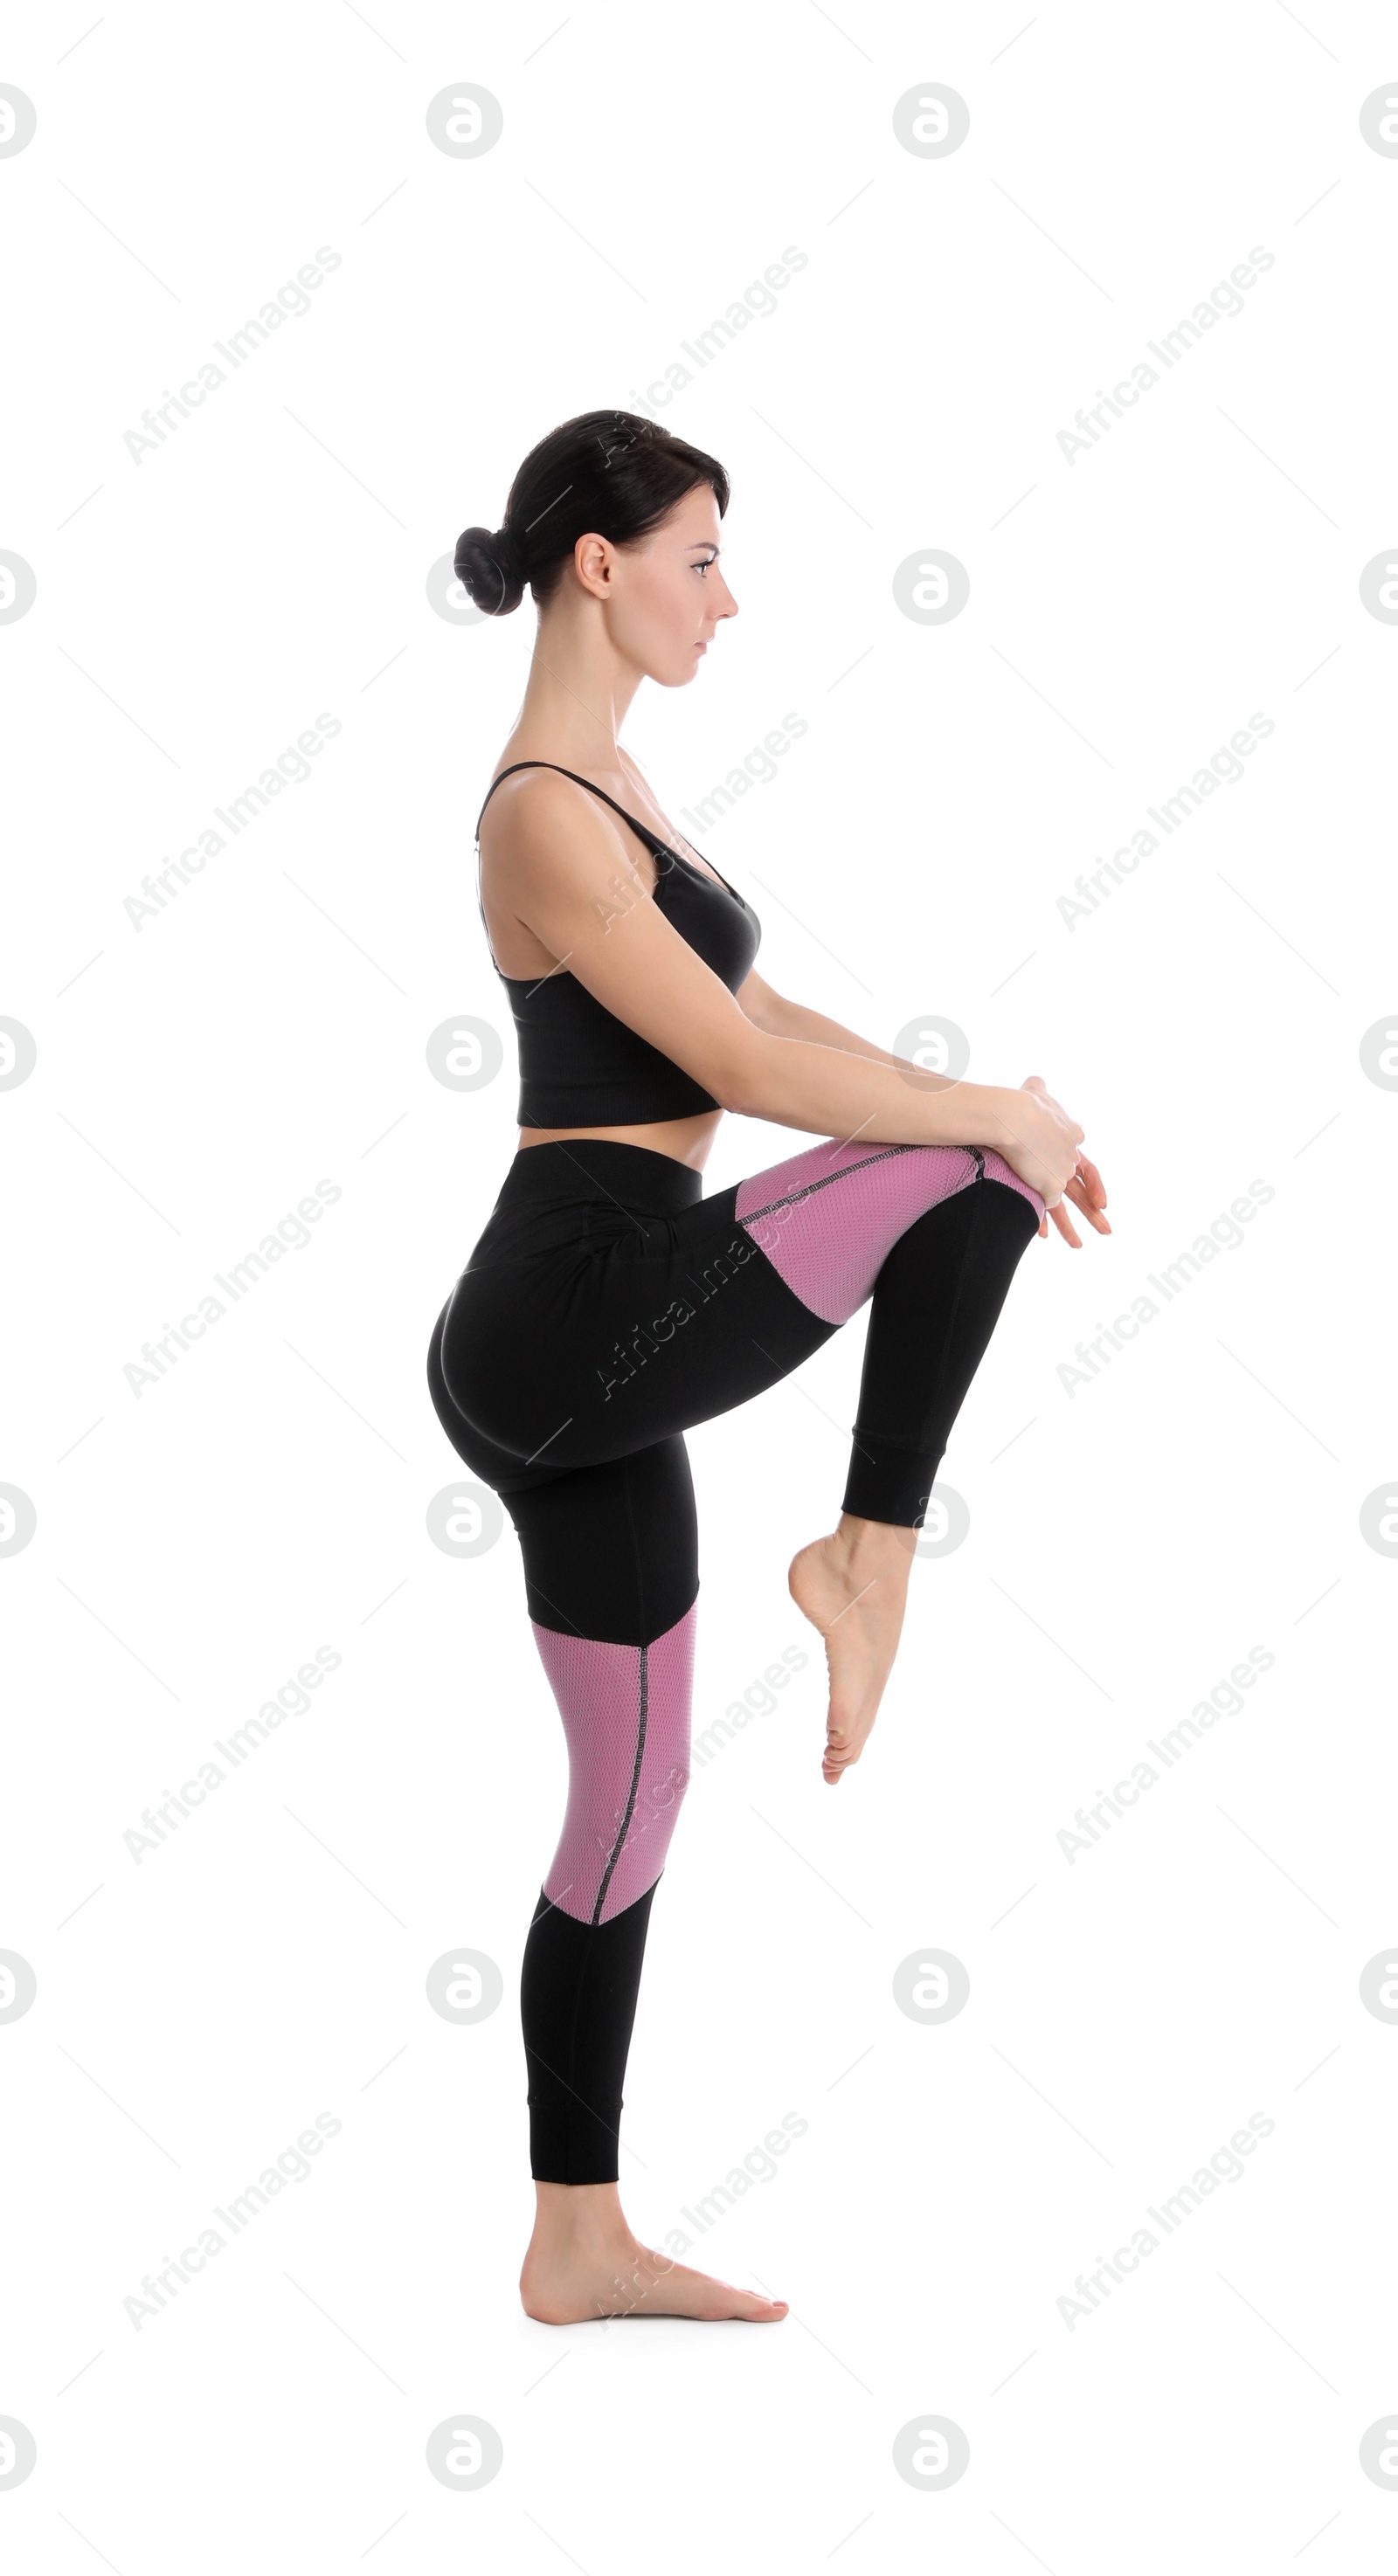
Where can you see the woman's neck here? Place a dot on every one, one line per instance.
(577, 695)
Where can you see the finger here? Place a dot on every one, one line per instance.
(1065, 1227)
(1080, 1198)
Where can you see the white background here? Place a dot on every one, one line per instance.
(1129, 1541)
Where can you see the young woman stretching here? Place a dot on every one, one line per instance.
(609, 1304)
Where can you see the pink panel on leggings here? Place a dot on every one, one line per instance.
(828, 1219)
(626, 1715)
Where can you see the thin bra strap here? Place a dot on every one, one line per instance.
(651, 838)
(658, 848)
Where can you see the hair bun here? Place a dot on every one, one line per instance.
(490, 568)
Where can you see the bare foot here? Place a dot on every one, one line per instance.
(853, 1587)
(584, 2263)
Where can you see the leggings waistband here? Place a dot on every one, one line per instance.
(599, 1167)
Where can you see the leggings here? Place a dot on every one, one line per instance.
(606, 1308)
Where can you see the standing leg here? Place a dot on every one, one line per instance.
(611, 1574)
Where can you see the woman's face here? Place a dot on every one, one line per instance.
(665, 595)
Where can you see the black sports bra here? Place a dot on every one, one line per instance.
(580, 1066)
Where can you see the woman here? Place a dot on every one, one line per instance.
(609, 1305)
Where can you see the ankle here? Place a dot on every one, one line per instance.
(582, 2218)
(885, 1544)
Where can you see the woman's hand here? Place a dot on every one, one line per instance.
(1083, 1185)
(1036, 1136)
(1086, 1191)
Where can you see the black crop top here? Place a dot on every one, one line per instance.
(580, 1066)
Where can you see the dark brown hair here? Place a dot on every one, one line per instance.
(612, 472)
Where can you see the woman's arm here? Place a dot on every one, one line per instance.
(558, 859)
(783, 1019)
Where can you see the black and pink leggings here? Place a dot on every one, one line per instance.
(607, 1307)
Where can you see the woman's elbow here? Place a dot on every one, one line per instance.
(735, 1079)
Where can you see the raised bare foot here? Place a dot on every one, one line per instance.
(853, 1587)
(584, 2263)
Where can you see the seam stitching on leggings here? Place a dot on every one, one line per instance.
(643, 1693)
(791, 1196)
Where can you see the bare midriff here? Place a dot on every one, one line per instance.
(685, 1140)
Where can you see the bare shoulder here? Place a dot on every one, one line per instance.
(523, 795)
(543, 825)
